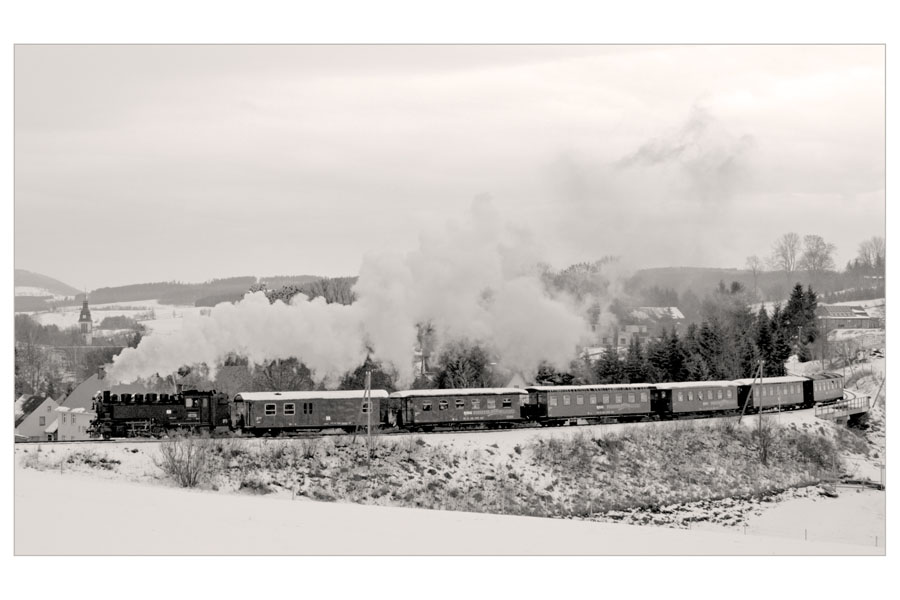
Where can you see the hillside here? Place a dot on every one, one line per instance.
(28, 283)
(37, 293)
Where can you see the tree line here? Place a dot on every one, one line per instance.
(728, 344)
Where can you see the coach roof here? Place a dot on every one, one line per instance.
(695, 384)
(788, 379)
(458, 392)
(327, 395)
(599, 387)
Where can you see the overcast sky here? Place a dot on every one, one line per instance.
(157, 163)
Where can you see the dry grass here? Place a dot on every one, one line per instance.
(187, 460)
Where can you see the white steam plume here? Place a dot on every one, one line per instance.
(477, 281)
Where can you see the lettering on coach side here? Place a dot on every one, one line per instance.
(487, 412)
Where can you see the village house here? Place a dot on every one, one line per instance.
(73, 424)
(37, 421)
(845, 317)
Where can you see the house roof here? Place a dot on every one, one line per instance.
(29, 406)
(842, 312)
(52, 427)
(83, 395)
(656, 312)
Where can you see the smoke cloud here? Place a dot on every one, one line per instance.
(478, 280)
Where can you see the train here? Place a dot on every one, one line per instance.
(293, 412)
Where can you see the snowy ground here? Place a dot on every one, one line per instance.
(122, 481)
(150, 520)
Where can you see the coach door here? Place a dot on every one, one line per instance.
(307, 416)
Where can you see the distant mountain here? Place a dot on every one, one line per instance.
(35, 284)
(208, 293)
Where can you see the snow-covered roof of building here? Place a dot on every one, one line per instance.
(326, 395)
(589, 388)
(83, 395)
(52, 427)
(694, 384)
(656, 312)
(842, 312)
(77, 411)
(786, 379)
(458, 392)
(29, 406)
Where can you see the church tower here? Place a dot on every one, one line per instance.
(84, 320)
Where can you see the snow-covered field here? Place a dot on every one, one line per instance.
(128, 483)
(157, 318)
(140, 519)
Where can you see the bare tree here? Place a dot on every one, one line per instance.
(785, 253)
(816, 257)
(755, 264)
(871, 253)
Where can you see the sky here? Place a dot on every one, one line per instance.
(157, 163)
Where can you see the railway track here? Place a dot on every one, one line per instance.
(395, 432)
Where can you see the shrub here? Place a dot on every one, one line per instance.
(187, 460)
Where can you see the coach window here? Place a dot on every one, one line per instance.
(719, 394)
(289, 409)
(681, 396)
(631, 398)
(643, 396)
(269, 409)
(690, 395)
(728, 393)
(426, 405)
(618, 398)
(460, 403)
(709, 394)
(593, 398)
(492, 403)
(605, 398)
(567, 400)
(579, 399)
(507, 403)
(476, 403)
(552, 400)
(442, 405)
(365, 407)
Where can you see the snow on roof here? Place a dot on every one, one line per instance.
(843, 312)
(53, 426)
(458, 392)
(656, 312)
(327, 395)
(695, 384)
(787, 379)
(588, 388)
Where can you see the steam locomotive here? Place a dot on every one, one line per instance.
(276, 413)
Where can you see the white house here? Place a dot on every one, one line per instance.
(74, 423)
(38, 414)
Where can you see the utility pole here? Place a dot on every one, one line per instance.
(367, 398)
(753, 395)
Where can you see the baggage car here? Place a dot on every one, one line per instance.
(274, 413)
